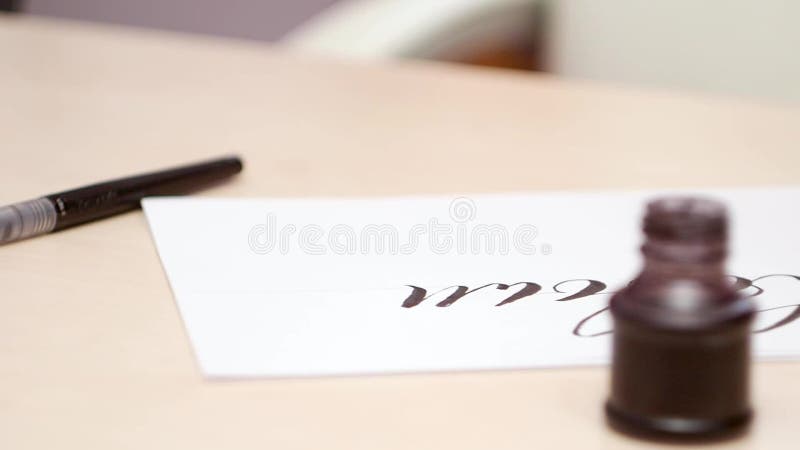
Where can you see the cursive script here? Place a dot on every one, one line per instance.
(588, 287)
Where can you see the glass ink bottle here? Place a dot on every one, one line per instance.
(681, 340)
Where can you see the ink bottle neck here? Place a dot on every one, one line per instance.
(693, 260)
(682, 284)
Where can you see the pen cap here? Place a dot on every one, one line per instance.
(681, 342)
(26, 219)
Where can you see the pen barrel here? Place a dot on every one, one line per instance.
(26, 219)
(116, 196)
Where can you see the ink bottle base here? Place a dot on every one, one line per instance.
(677, 429)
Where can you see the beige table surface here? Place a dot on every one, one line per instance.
(93, 354)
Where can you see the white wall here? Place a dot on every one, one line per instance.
(741, 47)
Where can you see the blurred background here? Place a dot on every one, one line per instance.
(747, 48)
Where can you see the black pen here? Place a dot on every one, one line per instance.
(69, 208)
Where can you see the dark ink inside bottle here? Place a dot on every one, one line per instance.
(681, 349)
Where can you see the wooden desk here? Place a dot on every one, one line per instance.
(93, 354)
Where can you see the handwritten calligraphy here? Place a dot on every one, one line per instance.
(584, 287)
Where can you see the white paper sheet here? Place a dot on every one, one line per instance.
(300, 287)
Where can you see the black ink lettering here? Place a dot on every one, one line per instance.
(594, 287)
(741, 283)
(793, 315)
(577, 330)
(527, 290)
(418, 294)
